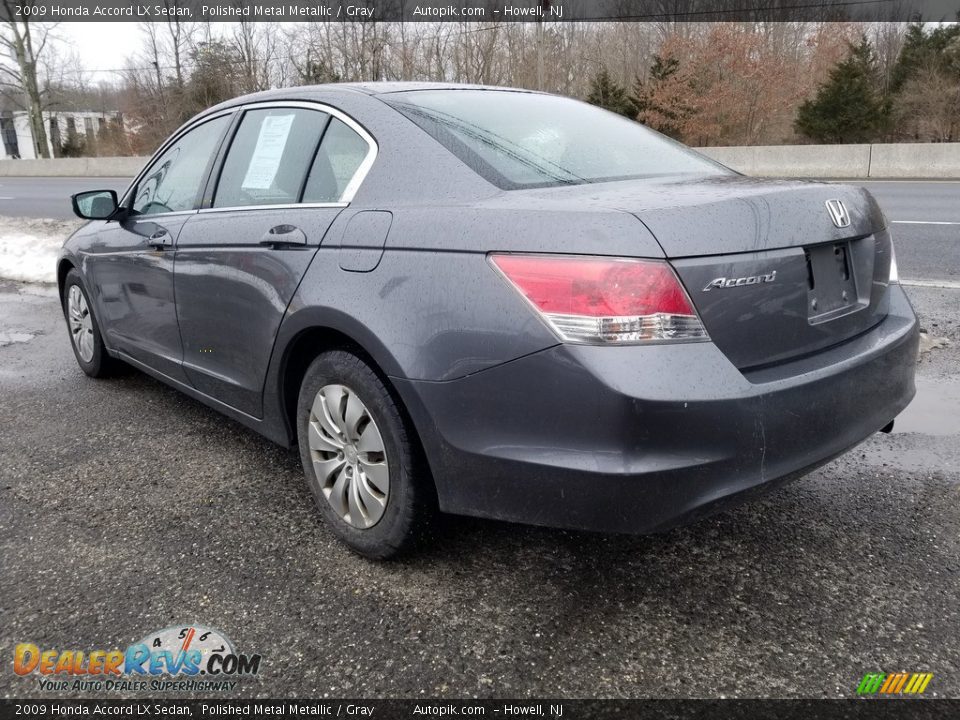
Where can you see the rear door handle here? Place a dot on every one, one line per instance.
(284, 236)
(160, 239)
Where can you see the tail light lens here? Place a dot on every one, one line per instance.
(606, 301)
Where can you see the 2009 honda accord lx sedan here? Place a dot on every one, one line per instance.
(496, 303)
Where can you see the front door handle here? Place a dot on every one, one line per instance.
(160, 239)
(284, 236)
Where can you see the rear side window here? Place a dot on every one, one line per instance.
(172, 184)
(269, 157)
(341, 154)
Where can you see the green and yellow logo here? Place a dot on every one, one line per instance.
(894, 683)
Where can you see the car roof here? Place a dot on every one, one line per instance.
(384, 87)
(324, 91)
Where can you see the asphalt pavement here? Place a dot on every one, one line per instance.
(925, 221)
(126, 507)
(49, 197)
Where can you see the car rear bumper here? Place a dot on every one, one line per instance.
(638, 439)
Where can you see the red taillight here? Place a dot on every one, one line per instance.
(604, 300)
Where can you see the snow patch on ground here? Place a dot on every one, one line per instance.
(10, 337)
(29, 247)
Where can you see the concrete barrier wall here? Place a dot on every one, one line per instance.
(122, 167)
(894, 160)
(819, 161)
(916, 160)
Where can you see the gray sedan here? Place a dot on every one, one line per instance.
(494, 302)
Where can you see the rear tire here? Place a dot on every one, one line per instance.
(359, 459)
(85, 337)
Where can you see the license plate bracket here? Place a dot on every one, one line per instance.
(832, 282)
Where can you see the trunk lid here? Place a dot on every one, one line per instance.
(769, 306)
(771, 274)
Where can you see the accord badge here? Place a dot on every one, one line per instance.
(722, 282)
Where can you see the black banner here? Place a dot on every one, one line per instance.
(510, 709)
(478, 10)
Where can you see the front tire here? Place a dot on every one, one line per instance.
(85, 337)
(359, 459)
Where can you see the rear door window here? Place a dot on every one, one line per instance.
(340, 157)
(269, 157)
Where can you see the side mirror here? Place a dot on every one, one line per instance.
(94, 204)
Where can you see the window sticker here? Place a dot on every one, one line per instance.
(266, 155)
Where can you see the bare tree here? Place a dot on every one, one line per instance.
(928, 106)
(741, 82)
(887, 39)
(24, 42)
(181, 40)
(255, 46)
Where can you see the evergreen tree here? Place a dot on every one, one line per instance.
(317, 72)
(656, 105)
(926, 84)
(610, 95)
(937, 50)
(216, 76)
(848, 107)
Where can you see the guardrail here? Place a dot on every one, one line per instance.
(889, 160)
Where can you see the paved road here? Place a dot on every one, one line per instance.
(126, 507)
(927, 248)
(911, 201)
(925, 217)
(36, 197)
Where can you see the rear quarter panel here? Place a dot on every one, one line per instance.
(434, 308)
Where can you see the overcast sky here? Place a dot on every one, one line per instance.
(101, 45)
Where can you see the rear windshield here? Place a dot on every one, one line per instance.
(524, 140)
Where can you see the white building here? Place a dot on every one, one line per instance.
(17, 135)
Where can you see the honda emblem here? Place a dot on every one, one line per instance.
(838, 213)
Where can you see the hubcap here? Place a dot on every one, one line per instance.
(81, 323)
(349, 458)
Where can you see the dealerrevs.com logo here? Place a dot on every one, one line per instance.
(183, 659)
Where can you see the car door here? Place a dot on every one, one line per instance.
(288, 171)
(130, 264)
